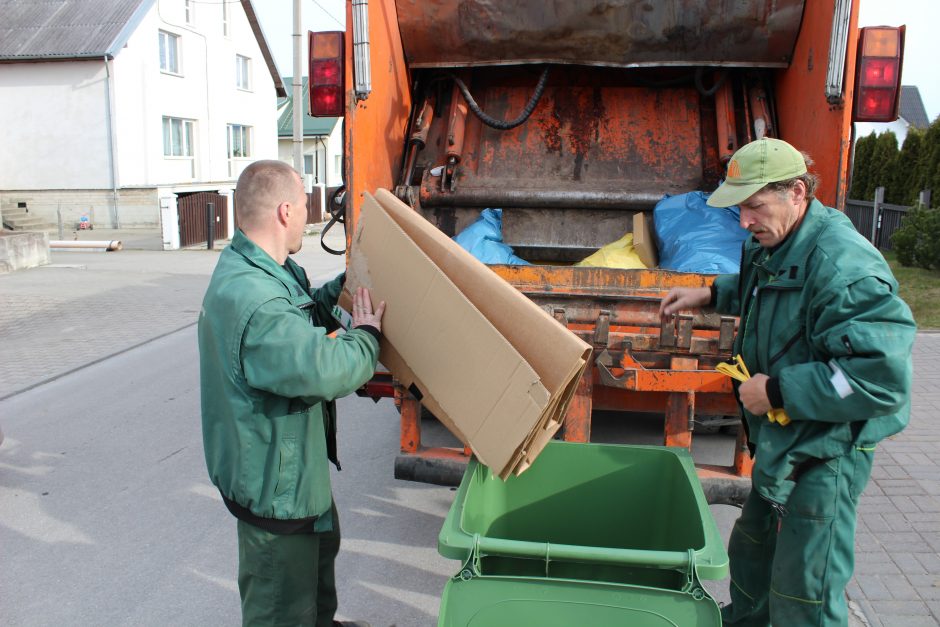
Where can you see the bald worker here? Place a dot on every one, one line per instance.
(269, 377)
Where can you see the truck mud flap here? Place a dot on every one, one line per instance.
(438, 471)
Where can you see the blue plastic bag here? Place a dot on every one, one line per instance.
(484, 239)
(694, 237)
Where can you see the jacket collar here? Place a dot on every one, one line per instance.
(256, 256)
(787, 263)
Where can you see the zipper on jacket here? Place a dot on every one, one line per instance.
(785, 348)
(756, 298)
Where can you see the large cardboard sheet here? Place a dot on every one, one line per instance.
(490, 364)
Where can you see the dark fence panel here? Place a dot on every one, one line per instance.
(192, 214)
(860, 213)
(889, 221)
(876, 227)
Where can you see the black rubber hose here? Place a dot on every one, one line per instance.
(501, 124)
(711, 90)
(337, 211)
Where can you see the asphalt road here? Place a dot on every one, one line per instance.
(107, 516)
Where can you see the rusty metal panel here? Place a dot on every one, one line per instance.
(622, 33)
(585, 145)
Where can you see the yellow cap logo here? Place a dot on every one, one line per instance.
(734, 170)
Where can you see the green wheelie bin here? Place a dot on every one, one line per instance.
(591, 534)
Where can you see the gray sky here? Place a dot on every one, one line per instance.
(921, 54)
(277, 21)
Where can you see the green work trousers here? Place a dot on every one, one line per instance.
(791, 568)
(287, 579)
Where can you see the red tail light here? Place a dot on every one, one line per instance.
(327, 95)
(878, 74)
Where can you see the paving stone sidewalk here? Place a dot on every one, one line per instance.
(897, 570)
(87, 306)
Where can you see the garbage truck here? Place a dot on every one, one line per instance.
(573, 118)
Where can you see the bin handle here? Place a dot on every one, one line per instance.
(678, 560)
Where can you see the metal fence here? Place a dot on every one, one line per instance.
(876, 220)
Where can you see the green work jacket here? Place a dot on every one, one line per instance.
(820, 313)
(269, 375)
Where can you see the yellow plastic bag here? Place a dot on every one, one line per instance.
(619, 254)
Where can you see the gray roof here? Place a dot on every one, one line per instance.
(34, 30)
(313, 127)
(911, 107)
(59, 30)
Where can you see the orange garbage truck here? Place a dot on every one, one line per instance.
(573, 117)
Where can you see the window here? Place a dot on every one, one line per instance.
(242, 72)
(225, 17)
(177, 137)
(169, 52)
(239, 141)
(189, 9)
(308, 166)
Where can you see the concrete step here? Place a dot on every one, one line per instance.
(27, 224)
(18, 220)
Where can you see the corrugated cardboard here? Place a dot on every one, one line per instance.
(643, 241)
(490, 364)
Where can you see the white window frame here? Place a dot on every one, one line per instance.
(242, 72)
(244, 133)
(310, 164)
(226, 24)
(189, 11)
(185, 131)
(165, 40)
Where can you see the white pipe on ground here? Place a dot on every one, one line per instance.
(114, 244)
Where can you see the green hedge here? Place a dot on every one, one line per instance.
(917, 242)
(902, 172)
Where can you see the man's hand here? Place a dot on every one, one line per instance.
(362, 310)
(680, 298)
(753, 394)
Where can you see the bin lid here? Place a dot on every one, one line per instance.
(512, 601)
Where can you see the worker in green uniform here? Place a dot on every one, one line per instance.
(826, 339)
(269, 375)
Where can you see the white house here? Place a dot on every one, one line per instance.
(911, 112)
(113, 109)
(323, 141)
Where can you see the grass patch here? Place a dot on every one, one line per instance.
(920, 289)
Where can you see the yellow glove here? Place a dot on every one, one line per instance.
(739, 371)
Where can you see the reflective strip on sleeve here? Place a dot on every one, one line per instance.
(839, 380)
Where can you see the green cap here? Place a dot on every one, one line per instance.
(766, 160)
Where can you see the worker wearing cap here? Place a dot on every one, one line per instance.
(827, 339)
(269, 376)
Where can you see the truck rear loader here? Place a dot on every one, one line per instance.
(572, 117)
